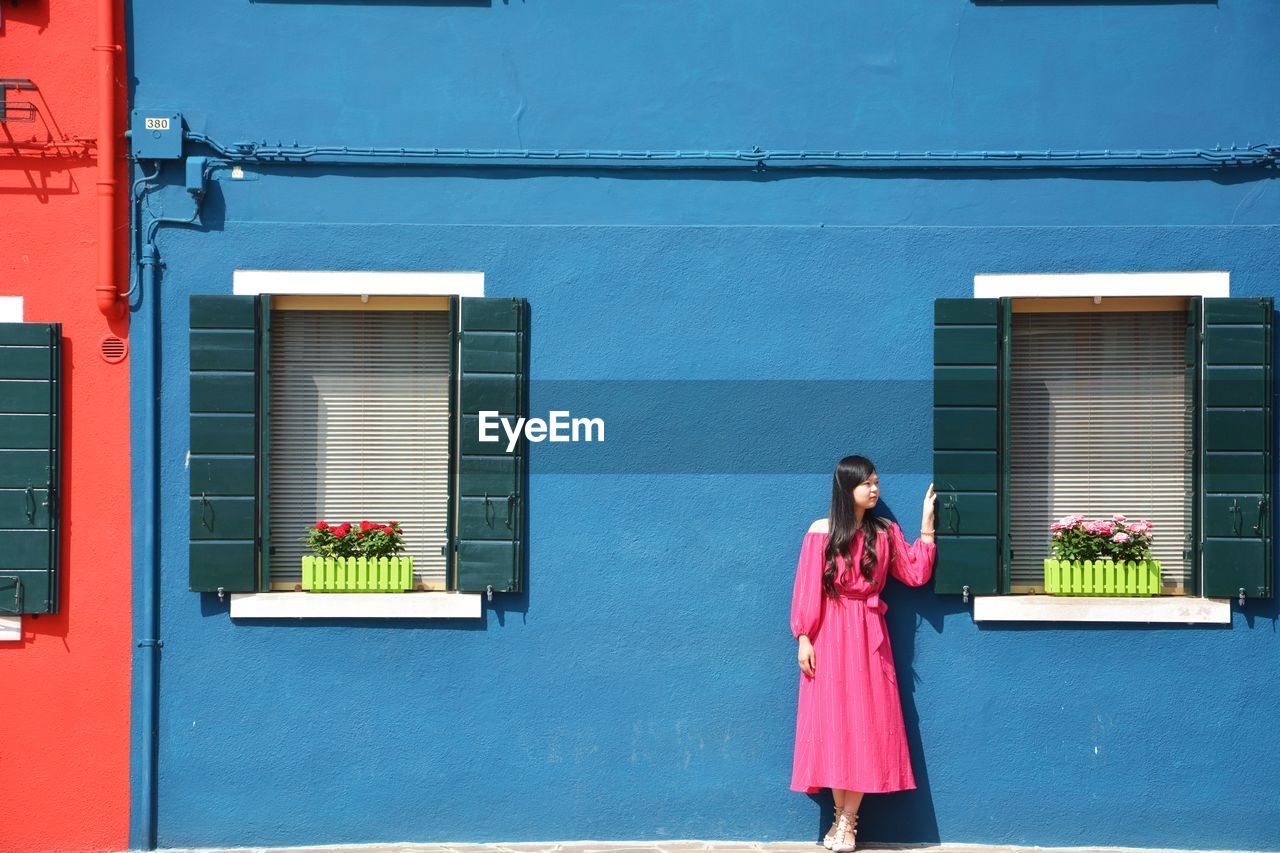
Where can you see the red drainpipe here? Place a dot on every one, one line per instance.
(110, 300)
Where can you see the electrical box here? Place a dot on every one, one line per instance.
(156, 135)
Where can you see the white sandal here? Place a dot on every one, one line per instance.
(843, 833)
(831, 833)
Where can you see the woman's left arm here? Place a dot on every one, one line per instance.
(913, 564)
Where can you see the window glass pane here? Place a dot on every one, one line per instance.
(359, 430)
(1100, 424)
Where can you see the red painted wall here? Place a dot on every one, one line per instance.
(64, 716)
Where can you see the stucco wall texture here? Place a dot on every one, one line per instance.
(738, 332)
(64, 718)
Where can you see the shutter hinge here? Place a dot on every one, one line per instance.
(158, 644)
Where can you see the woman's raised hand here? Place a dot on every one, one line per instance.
(927, 521)
(805, 656)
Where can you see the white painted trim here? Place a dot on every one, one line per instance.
(1104, 284)
(356, 605)
(1052, 608)
(361, 283)
(10, 309)
(10, 312)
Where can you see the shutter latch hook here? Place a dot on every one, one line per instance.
(222, 593)
(488, 591)
(965, 593)
(1242, 596)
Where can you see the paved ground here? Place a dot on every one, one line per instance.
(672, 847)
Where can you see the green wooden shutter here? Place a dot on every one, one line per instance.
(1236, 425)
(226, 428)
(30, 463)
(487, 500)
(967, 466)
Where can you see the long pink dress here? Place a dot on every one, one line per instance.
(849, 731)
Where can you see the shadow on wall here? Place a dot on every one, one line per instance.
(31, 12)
(35, 156)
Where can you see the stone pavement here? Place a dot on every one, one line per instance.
(675, 847)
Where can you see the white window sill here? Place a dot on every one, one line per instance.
(10, 629)
(1081, 608)
(356, 605)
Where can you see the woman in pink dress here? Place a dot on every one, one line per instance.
(849, 732)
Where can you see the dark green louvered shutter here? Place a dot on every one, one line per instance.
(30, 450)
(968, 387)
(487, 505)
(226, 428)
(1236, 424)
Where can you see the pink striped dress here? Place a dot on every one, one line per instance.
(849, 731)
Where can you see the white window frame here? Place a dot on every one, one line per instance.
(10, 312)
(1050, 608)
(420, 604)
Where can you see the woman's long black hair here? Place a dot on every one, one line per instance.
(841, 525)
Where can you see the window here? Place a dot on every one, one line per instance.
(1100, 422)
(359, 429)
(30, 466)
(1030, 424)
(355, 408)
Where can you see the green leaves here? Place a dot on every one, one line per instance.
(368, 539)
(1117, 538)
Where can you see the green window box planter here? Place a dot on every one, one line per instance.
(357, 574)
(1101, 577)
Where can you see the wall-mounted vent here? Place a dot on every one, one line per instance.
(114, 349)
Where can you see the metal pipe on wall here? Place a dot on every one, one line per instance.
(1265, 154)
(107, 289)
(149, 580)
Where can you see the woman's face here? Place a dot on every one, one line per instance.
(867, 493)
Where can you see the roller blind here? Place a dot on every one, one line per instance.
(359, 430)
(1100, 423)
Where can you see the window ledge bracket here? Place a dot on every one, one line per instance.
(356, 605)
(1052, 608)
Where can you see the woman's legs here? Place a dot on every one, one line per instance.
(847, 800)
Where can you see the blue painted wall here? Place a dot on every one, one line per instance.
(645, 685)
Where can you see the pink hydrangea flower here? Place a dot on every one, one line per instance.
(1120, 537)
(1140, 526)
(1117, 517)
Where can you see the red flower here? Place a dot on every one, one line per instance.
(389, 529)
(342, 530)
(366, 526)
(321, 525)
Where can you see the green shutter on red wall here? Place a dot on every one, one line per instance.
(226, 432)
(487, 496)
(30, 466)
(1236, 423)
(968, 386)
